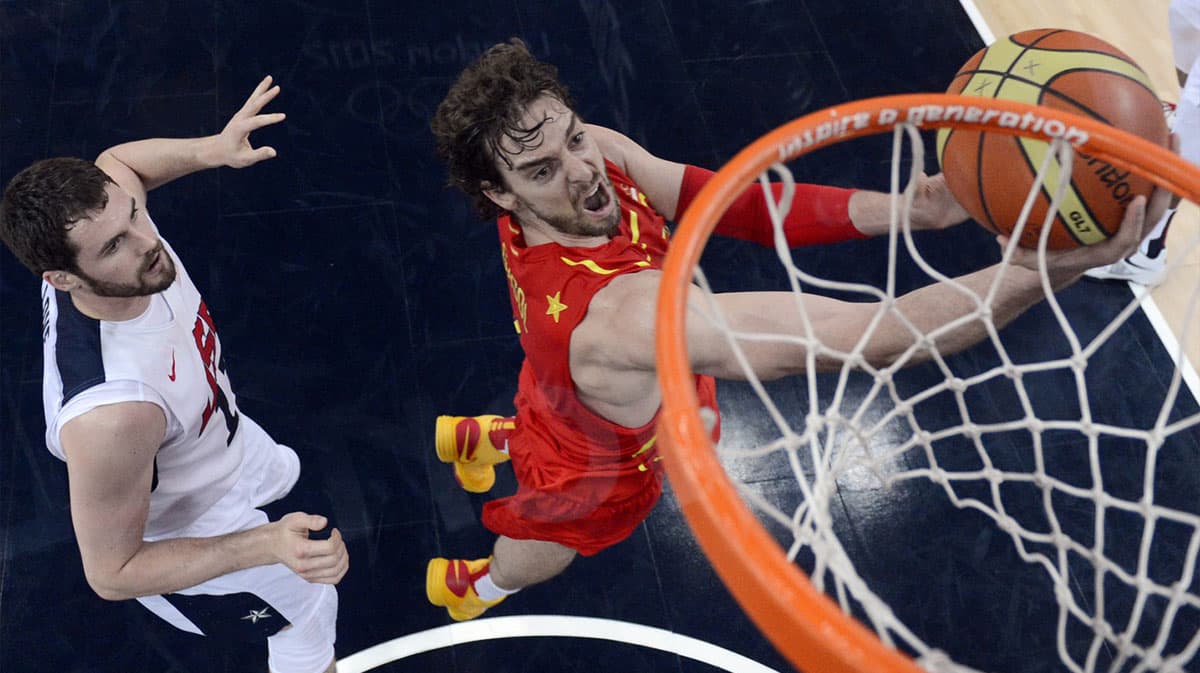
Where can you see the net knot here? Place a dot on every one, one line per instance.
(1103, 629)
(1009, 526)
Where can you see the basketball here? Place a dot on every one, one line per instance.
(990, 173)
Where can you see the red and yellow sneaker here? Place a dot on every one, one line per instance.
(472, 444)
(450, 583)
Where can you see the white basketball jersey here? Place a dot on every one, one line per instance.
(170, 356)
(1183, 21)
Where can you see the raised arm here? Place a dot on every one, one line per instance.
(820, 214)
(110, 464)
(612, 350)
(143, 165)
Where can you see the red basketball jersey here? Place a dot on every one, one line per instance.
(551, 286)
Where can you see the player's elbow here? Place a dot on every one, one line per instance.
(108, 585)
(108, 591)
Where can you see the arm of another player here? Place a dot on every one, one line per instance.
(143, 165)
(820, 214)
(110, 464)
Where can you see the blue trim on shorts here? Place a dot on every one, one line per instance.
(241, 616)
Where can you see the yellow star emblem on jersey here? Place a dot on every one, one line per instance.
(556, 305)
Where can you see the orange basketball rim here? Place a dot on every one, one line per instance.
(803, 623)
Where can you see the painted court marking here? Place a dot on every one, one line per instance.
(557, 626)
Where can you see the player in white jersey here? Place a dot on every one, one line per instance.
(166, 473)
(1183, 18)
(1148, 266)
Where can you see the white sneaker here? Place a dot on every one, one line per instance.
(1147, 266)
(1137, 268)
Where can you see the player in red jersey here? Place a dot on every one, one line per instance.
(580, 217)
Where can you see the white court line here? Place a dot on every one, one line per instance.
(1155, 316)
(1159, 323)
(977, 18)
(558, 626)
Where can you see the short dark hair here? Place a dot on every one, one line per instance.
(42, 202)
(484, 106)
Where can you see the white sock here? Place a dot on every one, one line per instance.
(488, 591)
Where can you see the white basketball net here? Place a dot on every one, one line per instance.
(1122, 560)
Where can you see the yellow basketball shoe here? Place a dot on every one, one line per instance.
(450, 583)
(472, 444)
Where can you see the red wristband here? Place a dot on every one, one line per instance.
(819, 214)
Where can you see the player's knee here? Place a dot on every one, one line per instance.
(307, 646)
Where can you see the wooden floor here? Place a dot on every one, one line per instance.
(1140, 30)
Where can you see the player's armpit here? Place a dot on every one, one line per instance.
(612, 350)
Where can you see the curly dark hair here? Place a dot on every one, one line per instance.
(42, 202)
(484, 106)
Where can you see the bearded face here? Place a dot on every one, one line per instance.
(555, 174)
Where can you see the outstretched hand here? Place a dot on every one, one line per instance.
(319, 561)
(1065, 266)
(233, 142)
(934, 207)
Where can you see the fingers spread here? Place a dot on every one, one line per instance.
(267, 96)
(262, 86)
(260, 97)
(259, 121)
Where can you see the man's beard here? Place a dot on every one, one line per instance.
(103, 288)
(580, 224)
